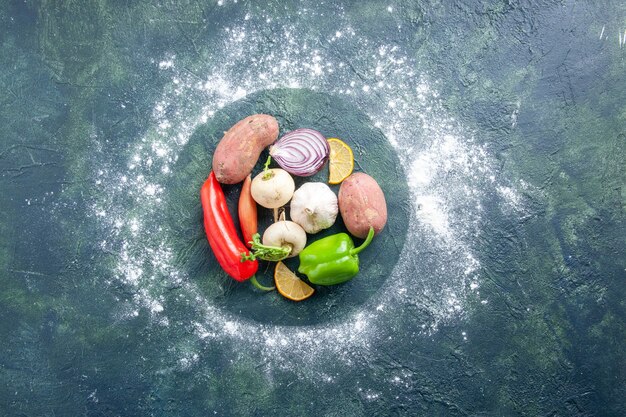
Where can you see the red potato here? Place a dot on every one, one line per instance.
(239, 149)
(362, 204)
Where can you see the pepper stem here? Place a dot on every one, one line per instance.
(368, 240)
(256, 283)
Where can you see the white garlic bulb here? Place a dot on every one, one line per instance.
(314, 207)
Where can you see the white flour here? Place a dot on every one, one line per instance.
(449, 176)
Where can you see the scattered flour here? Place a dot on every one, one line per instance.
(449, 172)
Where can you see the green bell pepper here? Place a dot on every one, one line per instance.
(333, 259)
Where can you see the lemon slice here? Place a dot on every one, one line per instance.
(341, 161)
(289, 285)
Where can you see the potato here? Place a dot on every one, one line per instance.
(239, 149)
(362, 204)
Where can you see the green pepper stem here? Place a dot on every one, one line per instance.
(256, 283)
(265, 252)
(368, 240)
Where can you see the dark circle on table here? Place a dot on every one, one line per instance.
(333, 116)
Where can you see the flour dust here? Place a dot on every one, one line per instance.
(450, 174)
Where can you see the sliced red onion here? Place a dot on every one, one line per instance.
(301, 152)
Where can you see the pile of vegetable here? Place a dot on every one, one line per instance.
(313, 207)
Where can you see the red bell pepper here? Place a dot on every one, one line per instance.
(222, 235)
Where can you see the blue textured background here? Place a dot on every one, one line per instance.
(549, 342)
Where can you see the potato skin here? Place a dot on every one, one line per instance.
(362, 204)
(239, 149)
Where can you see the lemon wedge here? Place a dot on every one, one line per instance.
(340, 162)
(289, 285)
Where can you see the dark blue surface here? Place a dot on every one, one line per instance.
(508, 297)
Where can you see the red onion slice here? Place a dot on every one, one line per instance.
(301, 152)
